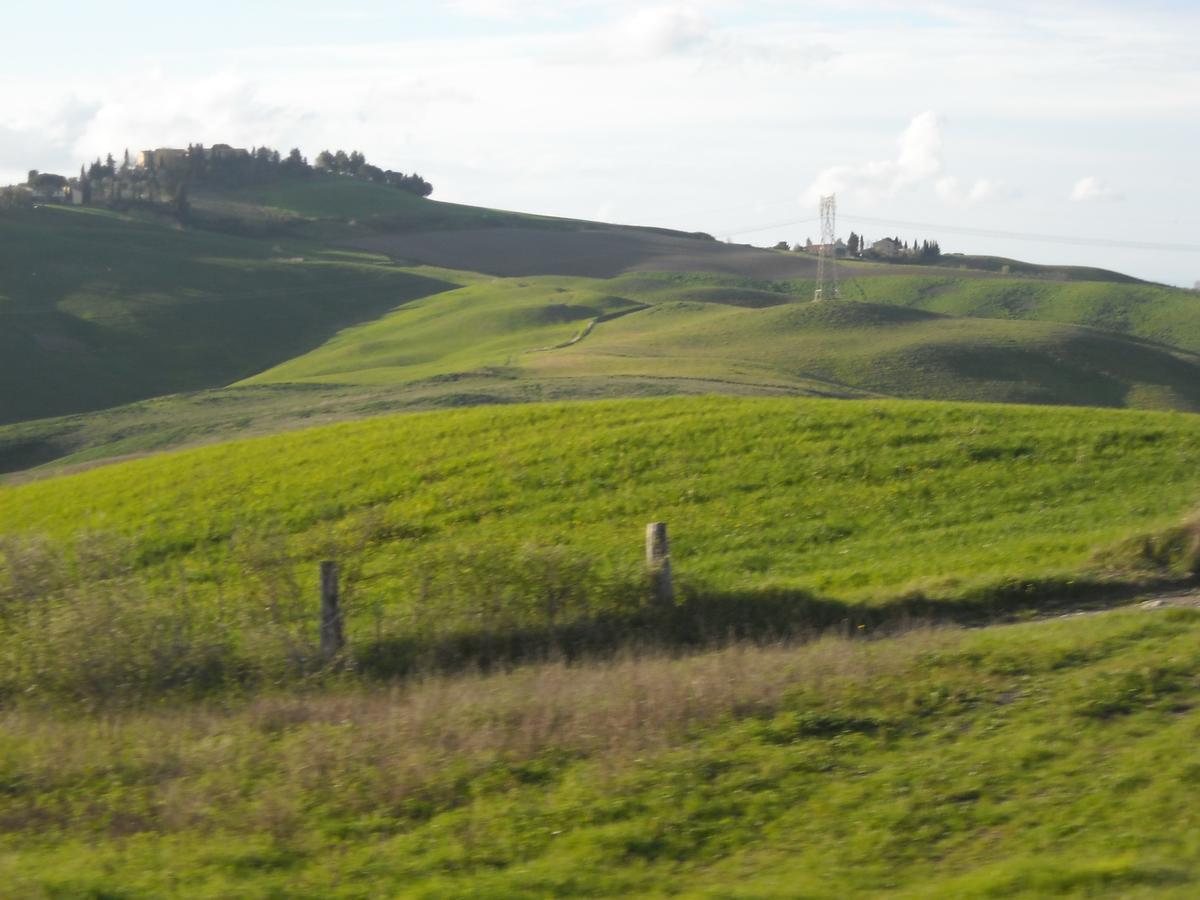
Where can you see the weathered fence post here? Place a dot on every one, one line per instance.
(658, 561)
(332, 640)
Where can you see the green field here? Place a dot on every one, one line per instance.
(509, 526)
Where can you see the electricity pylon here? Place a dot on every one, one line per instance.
(827, 275)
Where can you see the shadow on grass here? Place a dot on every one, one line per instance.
(704, 618)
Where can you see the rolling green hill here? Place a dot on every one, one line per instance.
(748, 336)
(1166, 315)
(98, 309)
(810, 504)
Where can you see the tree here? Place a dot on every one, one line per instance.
(33, 174)
(782, 245)
(852, 244)
(180, 204)
(295, 162)
(325, 160)
(13, 198)
(196, 160)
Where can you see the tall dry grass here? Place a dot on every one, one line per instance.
(404, 750)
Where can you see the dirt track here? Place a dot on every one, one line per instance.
(591, 253)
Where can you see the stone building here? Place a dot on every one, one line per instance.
(887, 247)
(162, 158)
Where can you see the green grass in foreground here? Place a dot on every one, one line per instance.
(1045, 759)
(489, 530)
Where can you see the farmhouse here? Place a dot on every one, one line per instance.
(224, 151)
(162, 158)
(839, 248)
(169, 157)
(887, 247)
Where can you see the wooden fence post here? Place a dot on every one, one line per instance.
(332, 639)
(658, 561)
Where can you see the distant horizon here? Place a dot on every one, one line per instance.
(1070, 120)
(904, 231)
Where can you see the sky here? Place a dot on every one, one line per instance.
(1055, 131)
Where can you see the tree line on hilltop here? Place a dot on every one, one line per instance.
(889, 248)
(161, 180)
(222, 166)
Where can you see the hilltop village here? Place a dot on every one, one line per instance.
(162, 177)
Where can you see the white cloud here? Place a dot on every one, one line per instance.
(1092, 188)
(663, 31)
(918, 158)
(954, 191)
(918, 161)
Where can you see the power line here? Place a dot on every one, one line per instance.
(1028, 236)
(756, 228)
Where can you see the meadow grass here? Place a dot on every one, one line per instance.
(1034, 760)
(486, 534)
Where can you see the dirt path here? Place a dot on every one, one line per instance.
(1173, 600)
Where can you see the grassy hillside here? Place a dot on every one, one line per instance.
(303, 205)
(98, 309)
(755, 334)
(488, 524)
(342, 208)
(650, 334)
(1020, 267)
(485, 324)
(1045, 759)
(168, 728)
(888, 350)
(1162, 314)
